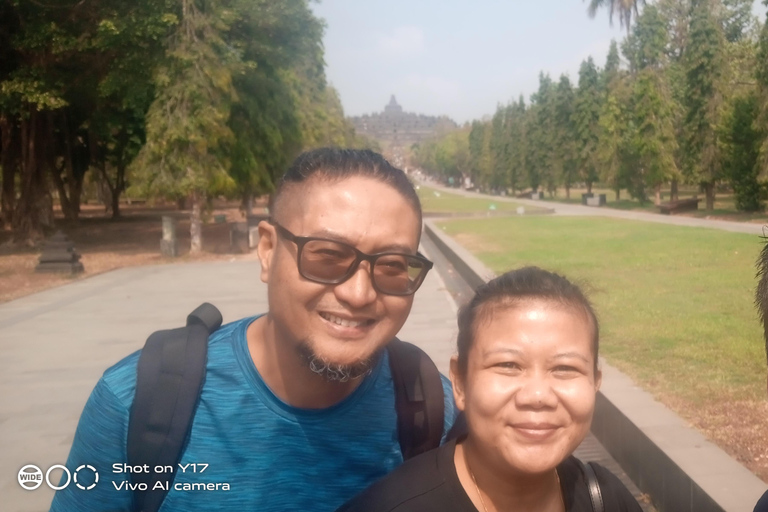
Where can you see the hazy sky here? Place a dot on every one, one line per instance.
(458, 58)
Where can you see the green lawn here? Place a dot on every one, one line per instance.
(675, 303)
(434, 201)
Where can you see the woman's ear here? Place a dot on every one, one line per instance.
(598, 379)
(457, 380)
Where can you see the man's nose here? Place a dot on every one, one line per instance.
(358, 290)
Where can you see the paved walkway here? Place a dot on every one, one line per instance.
(577, 209)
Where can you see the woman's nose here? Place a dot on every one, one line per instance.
(536, 392)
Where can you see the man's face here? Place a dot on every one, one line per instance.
(342, 324)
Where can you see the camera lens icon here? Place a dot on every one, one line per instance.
(30, 477)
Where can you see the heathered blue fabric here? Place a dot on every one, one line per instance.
(273, 456)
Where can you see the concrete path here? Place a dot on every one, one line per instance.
(577, 209)
(56, 344)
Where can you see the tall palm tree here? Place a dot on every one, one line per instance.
(623, 8)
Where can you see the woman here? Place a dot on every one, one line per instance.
(526, 377)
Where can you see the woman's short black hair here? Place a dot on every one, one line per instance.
(514, 288)
(336, 164)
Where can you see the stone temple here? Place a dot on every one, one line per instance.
(398, 130)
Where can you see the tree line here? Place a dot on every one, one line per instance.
(182, 99)
(682, 99)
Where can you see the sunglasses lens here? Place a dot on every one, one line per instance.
(326, 261)
(398, 274)
(329, 262)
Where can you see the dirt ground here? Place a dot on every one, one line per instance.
(739, 427)
(104, 245)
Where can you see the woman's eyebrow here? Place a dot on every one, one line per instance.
(570, 355)
(502, 350)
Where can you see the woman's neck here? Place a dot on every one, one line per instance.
(496, 491)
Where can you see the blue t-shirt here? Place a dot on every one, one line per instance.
(257, 451)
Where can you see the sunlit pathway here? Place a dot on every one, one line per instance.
(577, 209)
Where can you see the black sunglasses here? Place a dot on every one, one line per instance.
(328, 261)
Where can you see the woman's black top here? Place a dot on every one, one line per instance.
(430, 483)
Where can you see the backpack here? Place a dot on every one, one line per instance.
(170, 377)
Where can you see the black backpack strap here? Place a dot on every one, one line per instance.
(593, 486)
(170, 376)
(418, 398)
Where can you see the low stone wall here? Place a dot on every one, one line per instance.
(671, 462)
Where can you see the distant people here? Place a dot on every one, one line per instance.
(298, 408)
(526, 376)
(761, 300)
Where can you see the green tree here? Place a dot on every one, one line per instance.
(704, 67)
(676, 15)
(737, 18)
(652, 105)
(586, 118)
(481, 164)
(565, 153)
(188, 137)
(615, 126)
(540, 122)
(499, 148)
(517, 137)
(741, 145)
(761, 75)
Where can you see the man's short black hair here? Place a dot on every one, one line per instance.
(336, 164)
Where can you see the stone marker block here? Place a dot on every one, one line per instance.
(169, 244)
(253, 237)
(59, 255)
(239, 238)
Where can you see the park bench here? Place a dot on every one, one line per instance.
(681, 205)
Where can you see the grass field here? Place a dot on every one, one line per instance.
(675, 303)
(675, 306)
(433, 201)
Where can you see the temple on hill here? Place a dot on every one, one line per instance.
(398, 130)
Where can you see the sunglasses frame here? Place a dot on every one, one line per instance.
(360, 256)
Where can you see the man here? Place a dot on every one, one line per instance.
(297, 409)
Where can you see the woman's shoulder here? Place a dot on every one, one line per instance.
(419, 484)
(615, 494)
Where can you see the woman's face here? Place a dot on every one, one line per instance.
(529, 390)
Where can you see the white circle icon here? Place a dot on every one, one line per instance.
(30, 477)
(96, 473)
(48, 477)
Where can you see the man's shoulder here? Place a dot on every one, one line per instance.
(121, 377)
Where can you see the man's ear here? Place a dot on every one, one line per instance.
(266, 248)
(458, 383)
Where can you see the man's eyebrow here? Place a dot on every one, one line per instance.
(332, 235)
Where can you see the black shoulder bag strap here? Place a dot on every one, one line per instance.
(593, 486)
(170, 376)
(418, 398)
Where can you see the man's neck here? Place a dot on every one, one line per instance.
(287, 374)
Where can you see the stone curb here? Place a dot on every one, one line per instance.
(673, 463)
